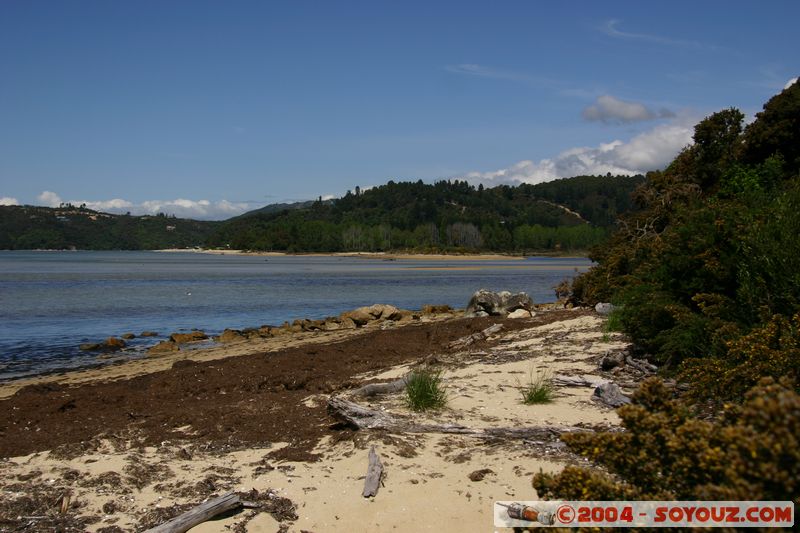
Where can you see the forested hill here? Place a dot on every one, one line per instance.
(566, 214)
(69, 227)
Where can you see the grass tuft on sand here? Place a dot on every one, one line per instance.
(539, 388)
(424, 390)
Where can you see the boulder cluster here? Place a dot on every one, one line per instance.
(504, 303)
(357, 318)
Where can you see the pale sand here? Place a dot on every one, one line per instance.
(426, 487)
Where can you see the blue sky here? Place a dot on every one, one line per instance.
(208, 109)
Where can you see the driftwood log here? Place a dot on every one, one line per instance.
(641, 365)
(360, 417)
(374, 474)
(199, 514)
(577, 381)
(610, 395)
(463, 342)
(374, 389)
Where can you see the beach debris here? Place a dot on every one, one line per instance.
(463, 342)
(374, 474)
(192, 336)
(478, 475)
(199, 514)
(610, 394)
(488, 303)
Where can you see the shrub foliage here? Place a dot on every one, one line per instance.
(706, 277)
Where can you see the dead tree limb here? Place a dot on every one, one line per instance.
(359, 417)
(374, 474)
(199, 514)
(463, 342)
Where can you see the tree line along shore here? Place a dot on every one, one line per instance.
(566, 215)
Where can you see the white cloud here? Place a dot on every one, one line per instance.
(7, 200)
(180, 207)
(790, 83)
(117, 204)
(609, 109)
(610, 29)
(49, 199)
(650, 150)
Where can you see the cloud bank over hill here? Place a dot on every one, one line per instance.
(650, 150)
(180, 207)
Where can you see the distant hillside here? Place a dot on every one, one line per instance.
(277, 208)
(68, 227)
(566, 214)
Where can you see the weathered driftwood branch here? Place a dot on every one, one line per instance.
(577, 381)
(359, 417)
(463, 342)
(374, 389)
(199, 514)
(641, 366)
(374, 474)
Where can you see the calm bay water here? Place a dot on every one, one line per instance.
(50, 302)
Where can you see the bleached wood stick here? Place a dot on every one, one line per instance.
(374, 473)
(199, 514)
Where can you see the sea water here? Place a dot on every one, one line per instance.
(50, 302)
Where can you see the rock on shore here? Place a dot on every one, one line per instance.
(488, 303)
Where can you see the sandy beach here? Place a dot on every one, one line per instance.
(135, 444)
(363, 255)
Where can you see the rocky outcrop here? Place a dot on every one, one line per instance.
(163, 347)
(436, 309)
(128, 336)
(231, 335)
(112, 344)
(360, 316)
(364, 315)
(520, 313)
(192, 336)
(610, 395)
(90, 347)
(604, 308)
(488, 303)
